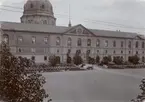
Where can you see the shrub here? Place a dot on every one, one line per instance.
(105, 60)
(53, 60)
(91, 60)
(97, 59)
(134, 59)
(77, 60)
(118, 60)
(69, 60)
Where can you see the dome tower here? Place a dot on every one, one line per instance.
(38, 12)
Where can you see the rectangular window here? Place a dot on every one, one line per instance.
(46, 40)
(114, 43)
(19, 49)
(121, 43)
(20, 39)
(33, 40)
(33, 58)
(33, 50)
(45, 58)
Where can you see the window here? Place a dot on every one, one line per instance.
(57, 51)
(122, 43)
(143, 52)
(78, 52)
(114, 43)
(44, 21)
(31, 5)
(88, 52)
(58, 41)
(136, 52)
(69, 51)
(106, 43)
(20, 39)
(45, 40)
(45, 58)
(43, 6)
(143, 59)
(121, 52)
(6, 38)
(19, 50)
(136, 44)
(79, 42)
(89, 42)
(69, 42)
(129, 52)
(106, 51)
(33, 40)
(114, 52)
(97, 51)
(129, 44)
(98, 43)
(33, 58)
(142, 44)
(33, 50)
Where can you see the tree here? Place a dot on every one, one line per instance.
(109, 58)
(106, 60)
(77, 59)
(97, 59)
(53, 60)
(118, 60)
(141, 97)
(15, 84)
(91, 60)
(134, 59)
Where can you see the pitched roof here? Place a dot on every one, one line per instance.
(107, 33)
(33, 27)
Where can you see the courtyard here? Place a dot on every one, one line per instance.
(99, 85)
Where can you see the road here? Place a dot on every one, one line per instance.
(100, 85)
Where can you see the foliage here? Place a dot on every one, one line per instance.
(91, 60)
(134, 59)
(118, 60)
(54, 60)
(106, 59)
(109, 58)
(141, 97)
(69, 59)
(15, 84)
(77, 59)
(97, 59)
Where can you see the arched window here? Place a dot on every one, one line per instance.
(98, 43)
(136, 44)
(69, 42)
(89, 42)
(79, 43)
(58, 41)
(6, 38)
(31, 5)
(114, 43)
(142, 44)
(43, 6)
(106, 43)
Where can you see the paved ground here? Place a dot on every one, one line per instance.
(100, 85)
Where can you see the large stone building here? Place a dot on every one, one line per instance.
(38, 37)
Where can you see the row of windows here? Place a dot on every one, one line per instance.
(79, 42)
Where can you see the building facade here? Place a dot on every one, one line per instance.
(37, 37)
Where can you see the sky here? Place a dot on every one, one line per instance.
(123, 15)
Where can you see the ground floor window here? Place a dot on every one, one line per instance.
(33, 58)
(45, 58)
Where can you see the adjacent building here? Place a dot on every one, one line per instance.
(37, 37)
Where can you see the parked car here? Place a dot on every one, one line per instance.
(86, 66)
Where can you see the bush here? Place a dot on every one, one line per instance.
(53, 60)
(118, 60)
(69, 60)
(91, 60)
(97, 59)
(57, 60)
(134, 59)
(77, 60)
(105, 60)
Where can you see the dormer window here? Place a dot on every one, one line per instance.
(43, 6)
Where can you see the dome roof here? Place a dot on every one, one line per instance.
(38, 6)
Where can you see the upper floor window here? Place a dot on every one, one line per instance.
(45, 58)
(98, 42)
(31, 5)
(79, 43)
(114, 52)
(122, 43)
(89, 42)
(20, 39)
(33, 40)
(121, 52)
(136, 52)
(45, 40)
(106, 43)
(143, 44)
(42, 6)
(114, 43)
(69, 42)
(33, 50)
(58, 41)
(6, 38)
(129, 44)
(19, 49)
(44, 21)
(33, 58)
(88, 52)
(137, 44)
